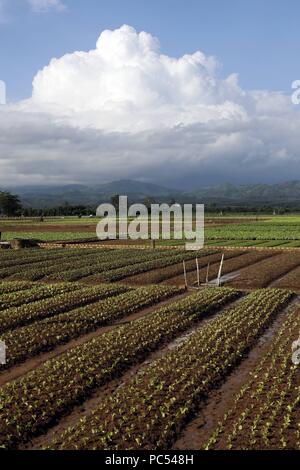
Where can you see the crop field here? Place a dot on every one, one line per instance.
(265, 411)
(267, 230)
(152, 406)
(48, 236)
(240, 231)
(107, 348)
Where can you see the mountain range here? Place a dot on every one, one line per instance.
(93, 195)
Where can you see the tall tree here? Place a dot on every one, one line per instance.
(115, 201)
(10, 204)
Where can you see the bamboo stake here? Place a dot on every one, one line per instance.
(184, 273)
(198, 272)
(207, 273)
(220, 270)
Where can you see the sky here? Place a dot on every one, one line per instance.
(183, 93)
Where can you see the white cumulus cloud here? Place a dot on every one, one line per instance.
(127, 84)
(125, 109)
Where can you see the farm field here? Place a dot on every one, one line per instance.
(265, 411)
(154, 405)
(266, 230)
(239, 231)
(107, 349)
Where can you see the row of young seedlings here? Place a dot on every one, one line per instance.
(8, 287)
(265, 413)
(43, 259)
(14, 317)
(31, 271)
(34, 253)
(133, 269)
(101, 264)
(46, 334)
(34, 293)
(38, 270)
(28, 257)
(68, 268)
(149, 411)
(30, 405)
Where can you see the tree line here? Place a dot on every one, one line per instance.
(11, 206)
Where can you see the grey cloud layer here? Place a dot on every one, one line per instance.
(33, 149)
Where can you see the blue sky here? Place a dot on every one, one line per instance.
(257, 39)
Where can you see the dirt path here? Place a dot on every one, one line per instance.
(197, 432)
(18, 371)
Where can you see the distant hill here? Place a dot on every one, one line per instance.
(224, 194)
(288, 192)
(77, 194)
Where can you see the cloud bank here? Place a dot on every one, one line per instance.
(124, 109)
